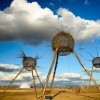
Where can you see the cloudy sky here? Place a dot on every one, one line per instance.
(29, 25)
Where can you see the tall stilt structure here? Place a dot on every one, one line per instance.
(29, 63)
(62, 45)
(95, 64)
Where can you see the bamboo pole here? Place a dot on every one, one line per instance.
(75, 54)
(48, 76)
(13, 80)
(54, 72)
(34, 85)
(91, 75)
(38, 77)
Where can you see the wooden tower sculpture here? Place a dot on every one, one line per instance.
(95, 64)
(62, 45)
(29, 63)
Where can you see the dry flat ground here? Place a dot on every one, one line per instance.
(90, 93)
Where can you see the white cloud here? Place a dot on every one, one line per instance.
(23, 20)
(29, 22)
(96, 70)
(25, 85)
(71, 75)
(82, 29)
(70, 79)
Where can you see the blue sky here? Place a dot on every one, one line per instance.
(19, 19)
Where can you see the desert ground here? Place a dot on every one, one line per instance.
(86, 93)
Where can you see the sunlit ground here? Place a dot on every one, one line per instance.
(86, 93)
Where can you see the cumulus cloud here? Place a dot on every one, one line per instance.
(24, 85)
(69, 79)
(29, 22)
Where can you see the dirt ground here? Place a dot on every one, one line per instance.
(86, 93)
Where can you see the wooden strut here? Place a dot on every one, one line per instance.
(38, 78)
(91, 75)
(54, 72)
(48, 76)
(34, 85)
(88, 73)
(13, 80)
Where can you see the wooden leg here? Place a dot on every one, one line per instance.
(88, 73)
(34, 85)
(38, 77)
(13, 80)
(48, 76)
(91, 75)
(54, 72)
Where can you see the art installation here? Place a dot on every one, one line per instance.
(95, 64)
(29, 63)
(62, 45)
